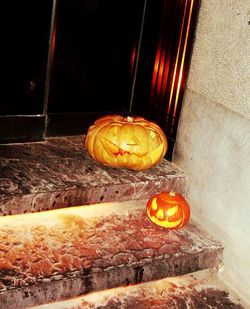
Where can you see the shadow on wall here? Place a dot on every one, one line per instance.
(213, 148)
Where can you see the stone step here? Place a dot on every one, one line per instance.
(59, 173)
(202, 289)
(58, 254)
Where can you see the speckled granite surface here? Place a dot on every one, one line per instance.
(68, 252)
(194, 291)
(59, 173)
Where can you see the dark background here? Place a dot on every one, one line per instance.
(62, 69)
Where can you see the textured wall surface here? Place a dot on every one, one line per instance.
(220, 66)
(213, 147)
(213, 142)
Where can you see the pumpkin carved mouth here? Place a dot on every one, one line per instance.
(112, 148)
(168, 209)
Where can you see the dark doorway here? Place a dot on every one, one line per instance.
(66, 63)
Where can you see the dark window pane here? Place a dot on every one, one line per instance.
(96, 41)
(24, 31)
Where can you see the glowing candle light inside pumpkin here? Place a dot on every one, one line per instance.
(168, 209)
(128, 142)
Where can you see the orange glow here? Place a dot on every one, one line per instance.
(168, 209)
(177, 59)
(132, 59)
(165, 77)
(128, 142)
(54, 217)
(183, 59)
(155, 72)
(121, 152)
(160, 72)
(40, 245)
(160, 78)
(156, 287)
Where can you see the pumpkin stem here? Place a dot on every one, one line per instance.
(130, 119)
(172, 193)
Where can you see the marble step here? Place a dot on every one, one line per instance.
(202, 289)
(58, 254)
(59, 173)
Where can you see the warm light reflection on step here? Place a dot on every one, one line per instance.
(94, 247)
(196, 290)
(87, 211)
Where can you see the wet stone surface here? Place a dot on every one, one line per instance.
(59, 173)
(64, 254)
(186, 292)
(187, 298)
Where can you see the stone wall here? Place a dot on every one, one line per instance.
(213, 141)
(220, 67)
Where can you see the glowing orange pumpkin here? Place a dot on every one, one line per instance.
(130, 142)
(168, 209)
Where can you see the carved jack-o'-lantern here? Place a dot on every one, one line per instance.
(130, 142)
(168, 209)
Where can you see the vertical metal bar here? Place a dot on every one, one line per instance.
(187, 30)
(51, 49)
(137, 57)
(177, 60)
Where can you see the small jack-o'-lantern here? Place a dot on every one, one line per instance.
(168, 209)
(130, 142)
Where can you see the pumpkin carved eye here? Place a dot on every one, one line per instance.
(131, 142)
(168, 209)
